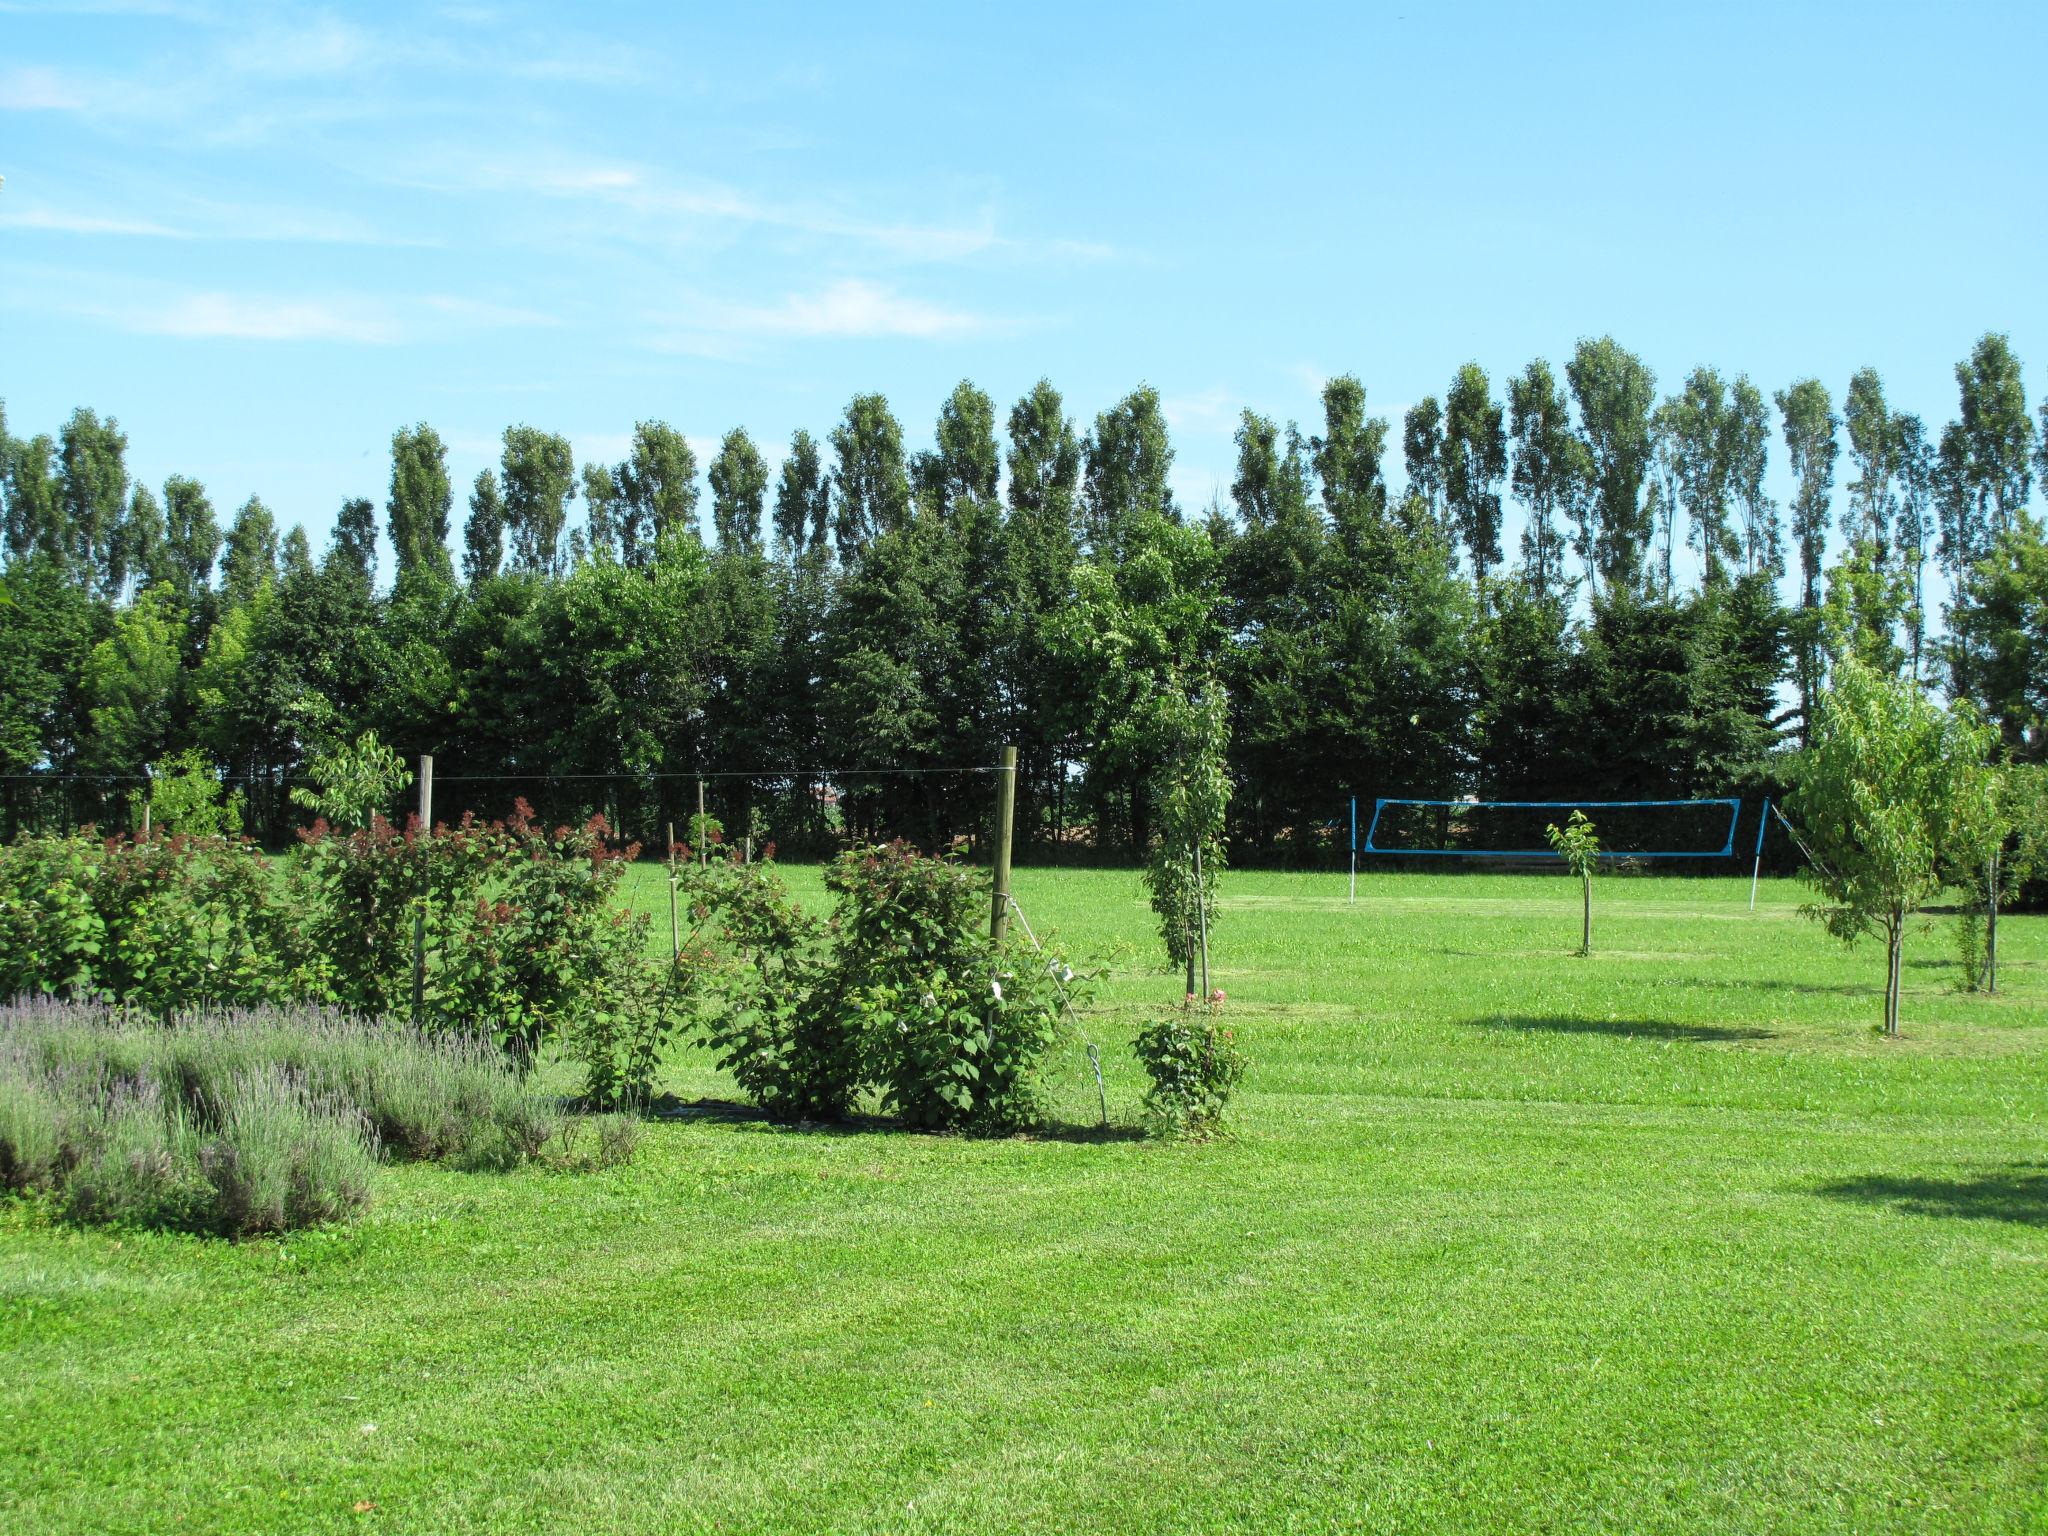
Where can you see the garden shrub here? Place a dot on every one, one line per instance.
(51, 933)
(524, 937)
(251, 1121)
(952, 1028)
(162, 921)
(773, 1020)
(902, 994)
(283, 1156)
(1194, 1065)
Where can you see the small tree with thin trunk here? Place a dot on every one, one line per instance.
(1885, 798)
(1190, 790)
(2001, 844)
(1579, 846)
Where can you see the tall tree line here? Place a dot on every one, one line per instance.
(836, 629)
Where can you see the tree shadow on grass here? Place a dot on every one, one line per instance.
(2017, 1192)
(749, 1117)
(1631, 1029)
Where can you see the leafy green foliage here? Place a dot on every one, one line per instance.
(902, 994)
(1190, 793)
(1194, 1064)
(247, 1122)
(773, 1025)
(523, 939)
(187, 796)
(1578, 844)
(1887, 792)
(354, 781)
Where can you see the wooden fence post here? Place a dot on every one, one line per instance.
(675, 937)
(1006, 810)
(419, 912)
(703, 852)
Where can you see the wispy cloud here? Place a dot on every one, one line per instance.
(199, 219)
(244, 317)
(58, 221)
(665, 200)
(41, 90)
(1212, 410)
(217, 315)
(848, 308)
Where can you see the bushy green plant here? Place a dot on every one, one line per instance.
(524, 936)
(1194, 1065)
(186, 796)
(1578, 845)
(1190, 791)
(353, 781)
(774, 1020)
(952, 1028)
(161, 922)
(903, 994)
(193, 922)
(283, 1155)
(51, 934)
(247, 1122)
(635, 1007)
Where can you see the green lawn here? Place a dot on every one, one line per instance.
(1661, 1240)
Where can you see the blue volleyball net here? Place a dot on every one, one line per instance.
(1517, 829)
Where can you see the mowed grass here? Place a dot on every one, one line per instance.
(1661, 1240)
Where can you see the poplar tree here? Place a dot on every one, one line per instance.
(803, 497)
(1548, 472)
(1475, 460)
(1615, 394)
(870, 482)
(352, 554)
(965, 462)
(657, 493)
(483, 535)
(739, 489)
(1986, 457)
(1809, 424)
(539, 478)
(1347, 458)
(248, 567)
(92, 497)
(420, 501)
(1874, 453)
(1128, 459)
(1422, 448)
(191, 535)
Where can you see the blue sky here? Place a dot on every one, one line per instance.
(264, 237)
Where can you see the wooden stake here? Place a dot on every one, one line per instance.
(1202, 917)
(675, 933)
(1006, 809)
(703, 837)
(419, 914)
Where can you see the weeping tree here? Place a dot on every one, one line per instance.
(1887, 798)
(1190, 791)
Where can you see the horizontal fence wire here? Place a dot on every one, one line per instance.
(1726, 850)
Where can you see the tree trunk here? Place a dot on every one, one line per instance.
(1586, 927)
(1991, 926)
(1894, 935)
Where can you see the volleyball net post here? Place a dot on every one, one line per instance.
(1756, 868)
